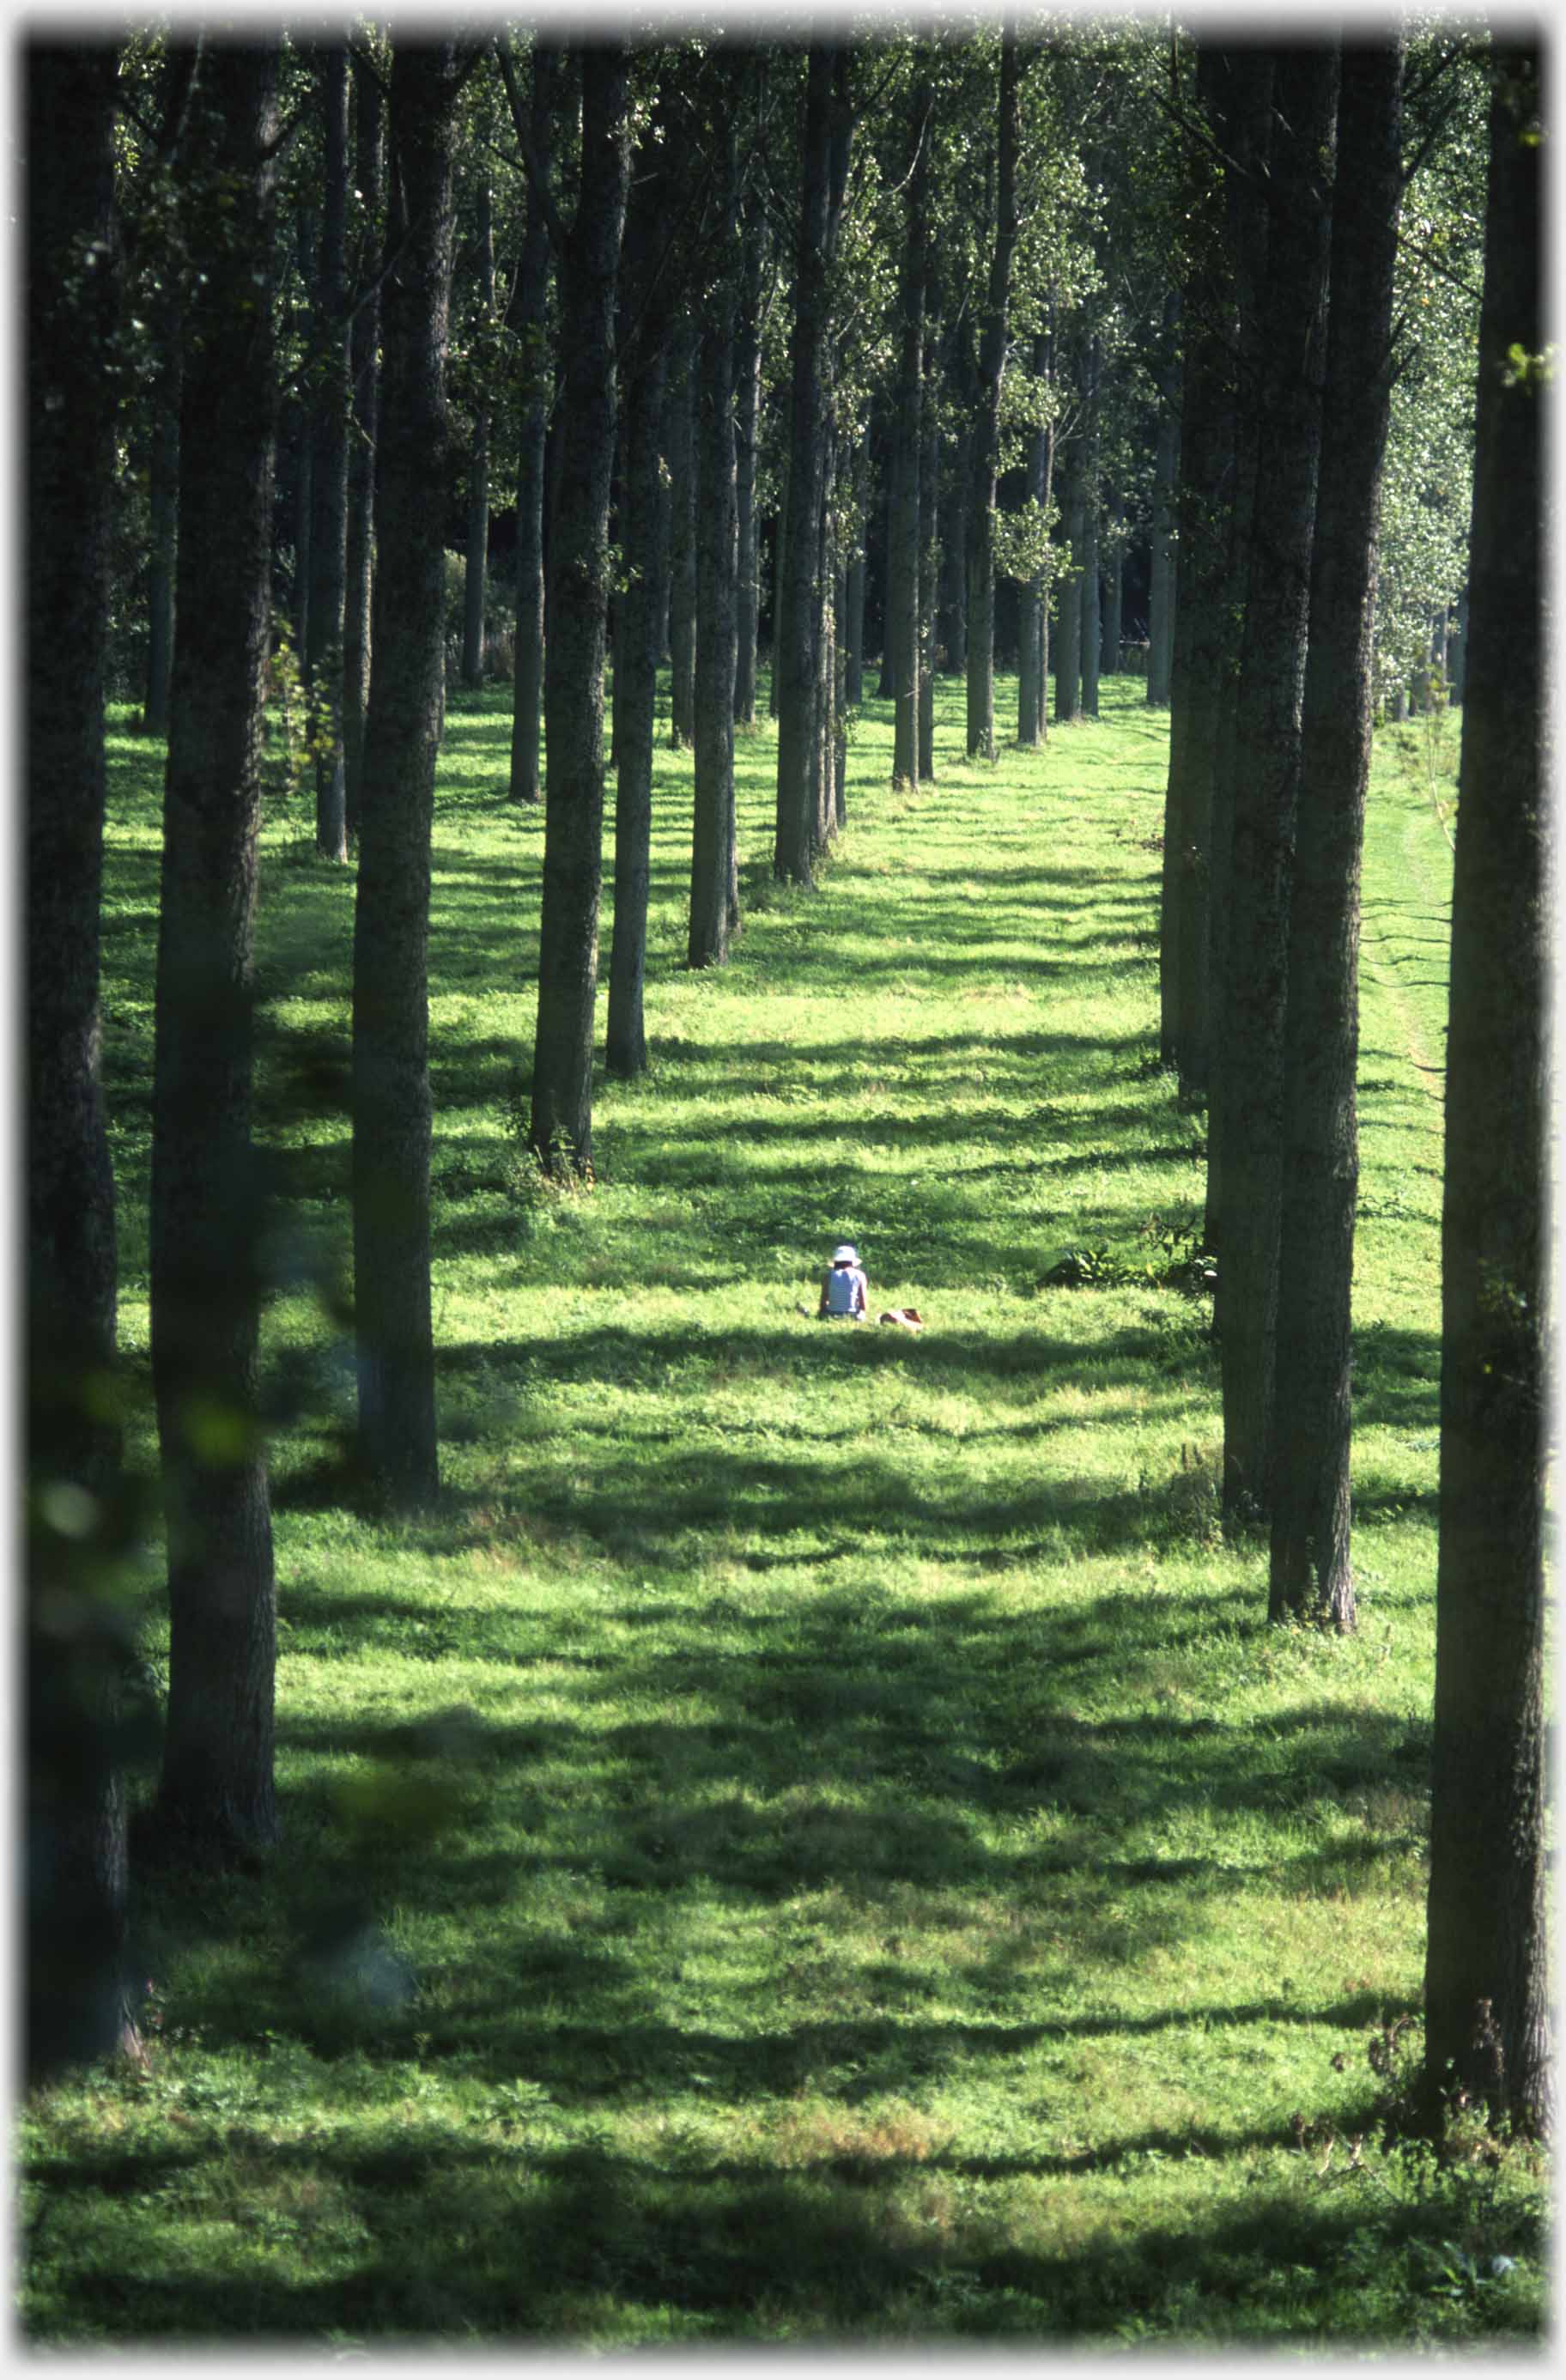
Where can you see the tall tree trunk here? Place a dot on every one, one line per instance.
(797, 657)
(681, 399)
(1111, 577)
(643, 344)
(1310, 1573)
(75, 1870)
(1033, 608)
(477, 557)
(1091, 622)
(301, 416)
(902, 639)
(747, 417)
(779, 564)
(635, 688)
(1166, 475)
(163, 497)
(830, 813)
(987, 419)
(1267, 718)
(391, 1076)
(823, 809)
(951, 619)
(854, 597)
(330, 478)
(713, 847)
(1204, 499)
(561, 1129)
(364, 353)
(1068, 584)
(529, 309)
(929, 562)
(1486, 1997)
(216, 1795)
(1247, 187)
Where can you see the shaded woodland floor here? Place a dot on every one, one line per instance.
(814, 1839)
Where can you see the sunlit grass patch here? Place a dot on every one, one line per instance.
(813, 1838)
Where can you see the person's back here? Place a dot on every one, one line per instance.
(845, 1292)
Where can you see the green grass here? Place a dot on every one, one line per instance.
(813, 1839)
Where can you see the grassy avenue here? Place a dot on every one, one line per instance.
(815, 1838)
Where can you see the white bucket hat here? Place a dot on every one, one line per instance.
(845, 1255)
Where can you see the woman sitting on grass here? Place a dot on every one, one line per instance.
(845, 1292)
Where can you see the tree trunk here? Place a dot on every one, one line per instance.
(364, 351)
(1166, 476)
(1068, 581)
(216, 1795)
(1092, 624)
(952, 620)
(1033, 608)
(1249, 217)
(329, 476)
(1204, 500)
(1267, 736)
(747, 415)
(986, 421)
(478, 542)
(780, 563)
(713, 848)
(74, 1857)
(391, 1078)
(681, 450)
(561, 1130)
(903, 541)
(530, 311)
(1485, 1979)
(1110, 580)
(796, 655)
(1310, 1573)
(163, 497)
(930, 563)
(643, 344)
(854, 603)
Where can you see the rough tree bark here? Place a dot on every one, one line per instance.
(530, 303)
(1204, 500)
(681, 400)
(1486, 2007)
(1310, 1576)
(476, 555)
(748, 414)
(76, 1872)
(987, 418)
(1266, 738)
(643, 364)
(364, 363)
(1033, 607)
(797, 642)
(329, 478)
(216, 1794)
(561, 1124)
(1166, 475)
(714, 857)
(391, 1075)
(1246, 185)
(902, 640)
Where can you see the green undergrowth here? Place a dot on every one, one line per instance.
(813, 1839)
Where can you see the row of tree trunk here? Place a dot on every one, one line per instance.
(1288, 311)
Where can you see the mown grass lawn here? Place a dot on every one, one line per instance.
(814, 1839)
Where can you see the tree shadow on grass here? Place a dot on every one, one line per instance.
(863, 2237)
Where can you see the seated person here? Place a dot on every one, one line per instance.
(845, 1291)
